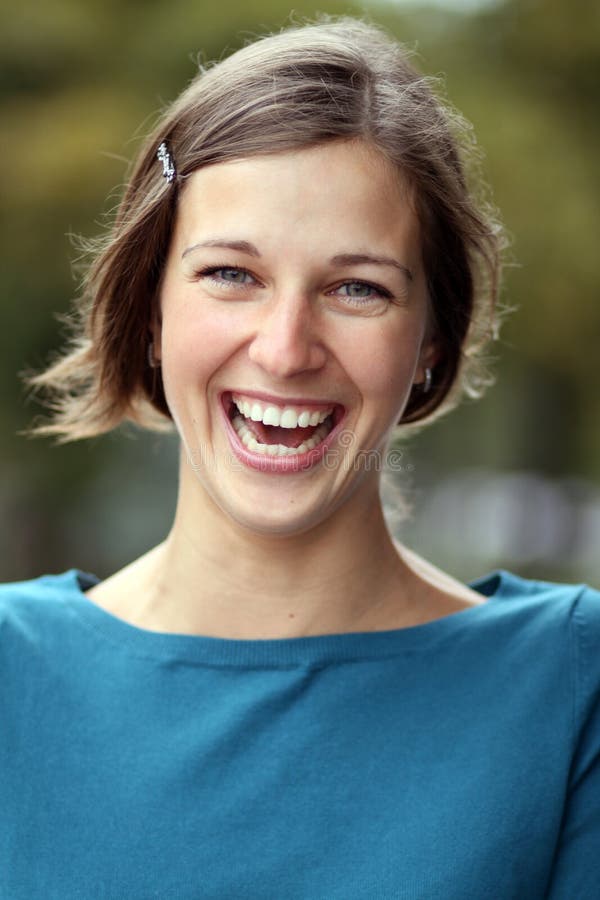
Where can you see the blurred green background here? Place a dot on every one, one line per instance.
(512, 480)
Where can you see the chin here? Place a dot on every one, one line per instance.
(284, 523)
(281, 514)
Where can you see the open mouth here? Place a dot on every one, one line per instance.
(273, 430)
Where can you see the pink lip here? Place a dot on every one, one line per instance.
(279, 465)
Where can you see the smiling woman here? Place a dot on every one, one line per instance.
(279, 701)
(291, 334)
(338, 81)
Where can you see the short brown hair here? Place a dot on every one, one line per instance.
(332, 79)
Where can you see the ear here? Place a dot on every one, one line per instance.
(155, 336)
(428, 357)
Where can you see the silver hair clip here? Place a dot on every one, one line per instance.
(167, 161)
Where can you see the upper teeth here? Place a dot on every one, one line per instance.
(288, 417)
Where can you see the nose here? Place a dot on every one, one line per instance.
(286, 341)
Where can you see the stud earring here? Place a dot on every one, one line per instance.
(428, 380)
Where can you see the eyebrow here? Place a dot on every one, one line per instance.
(356, 259)
(341, 259)
(240, 246)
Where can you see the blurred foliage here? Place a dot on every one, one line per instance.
(79, 81)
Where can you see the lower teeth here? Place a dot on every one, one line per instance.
(249, 441)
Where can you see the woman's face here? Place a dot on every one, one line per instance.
(294, 323)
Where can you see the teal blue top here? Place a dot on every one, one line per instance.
(454, 760)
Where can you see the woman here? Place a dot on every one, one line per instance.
(278, 701)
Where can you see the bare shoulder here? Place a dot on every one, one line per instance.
(440, 594)
(126, 592)
(419, 593)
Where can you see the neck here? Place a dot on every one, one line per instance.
(216, 578)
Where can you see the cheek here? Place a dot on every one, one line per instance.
(193, 348)
(383, 366)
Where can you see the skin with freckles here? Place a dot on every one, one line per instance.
(294, 277)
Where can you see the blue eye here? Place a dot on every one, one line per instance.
(227, 274)
(360, 289)
(362, 294)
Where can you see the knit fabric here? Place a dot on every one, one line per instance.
(454, 760)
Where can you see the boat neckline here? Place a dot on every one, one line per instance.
(320, 648)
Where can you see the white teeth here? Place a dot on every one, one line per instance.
(271, 416)
(249, 440)
(289, 417)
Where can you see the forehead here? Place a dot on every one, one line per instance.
(344, 190)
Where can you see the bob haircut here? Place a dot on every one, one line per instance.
(331, 79)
